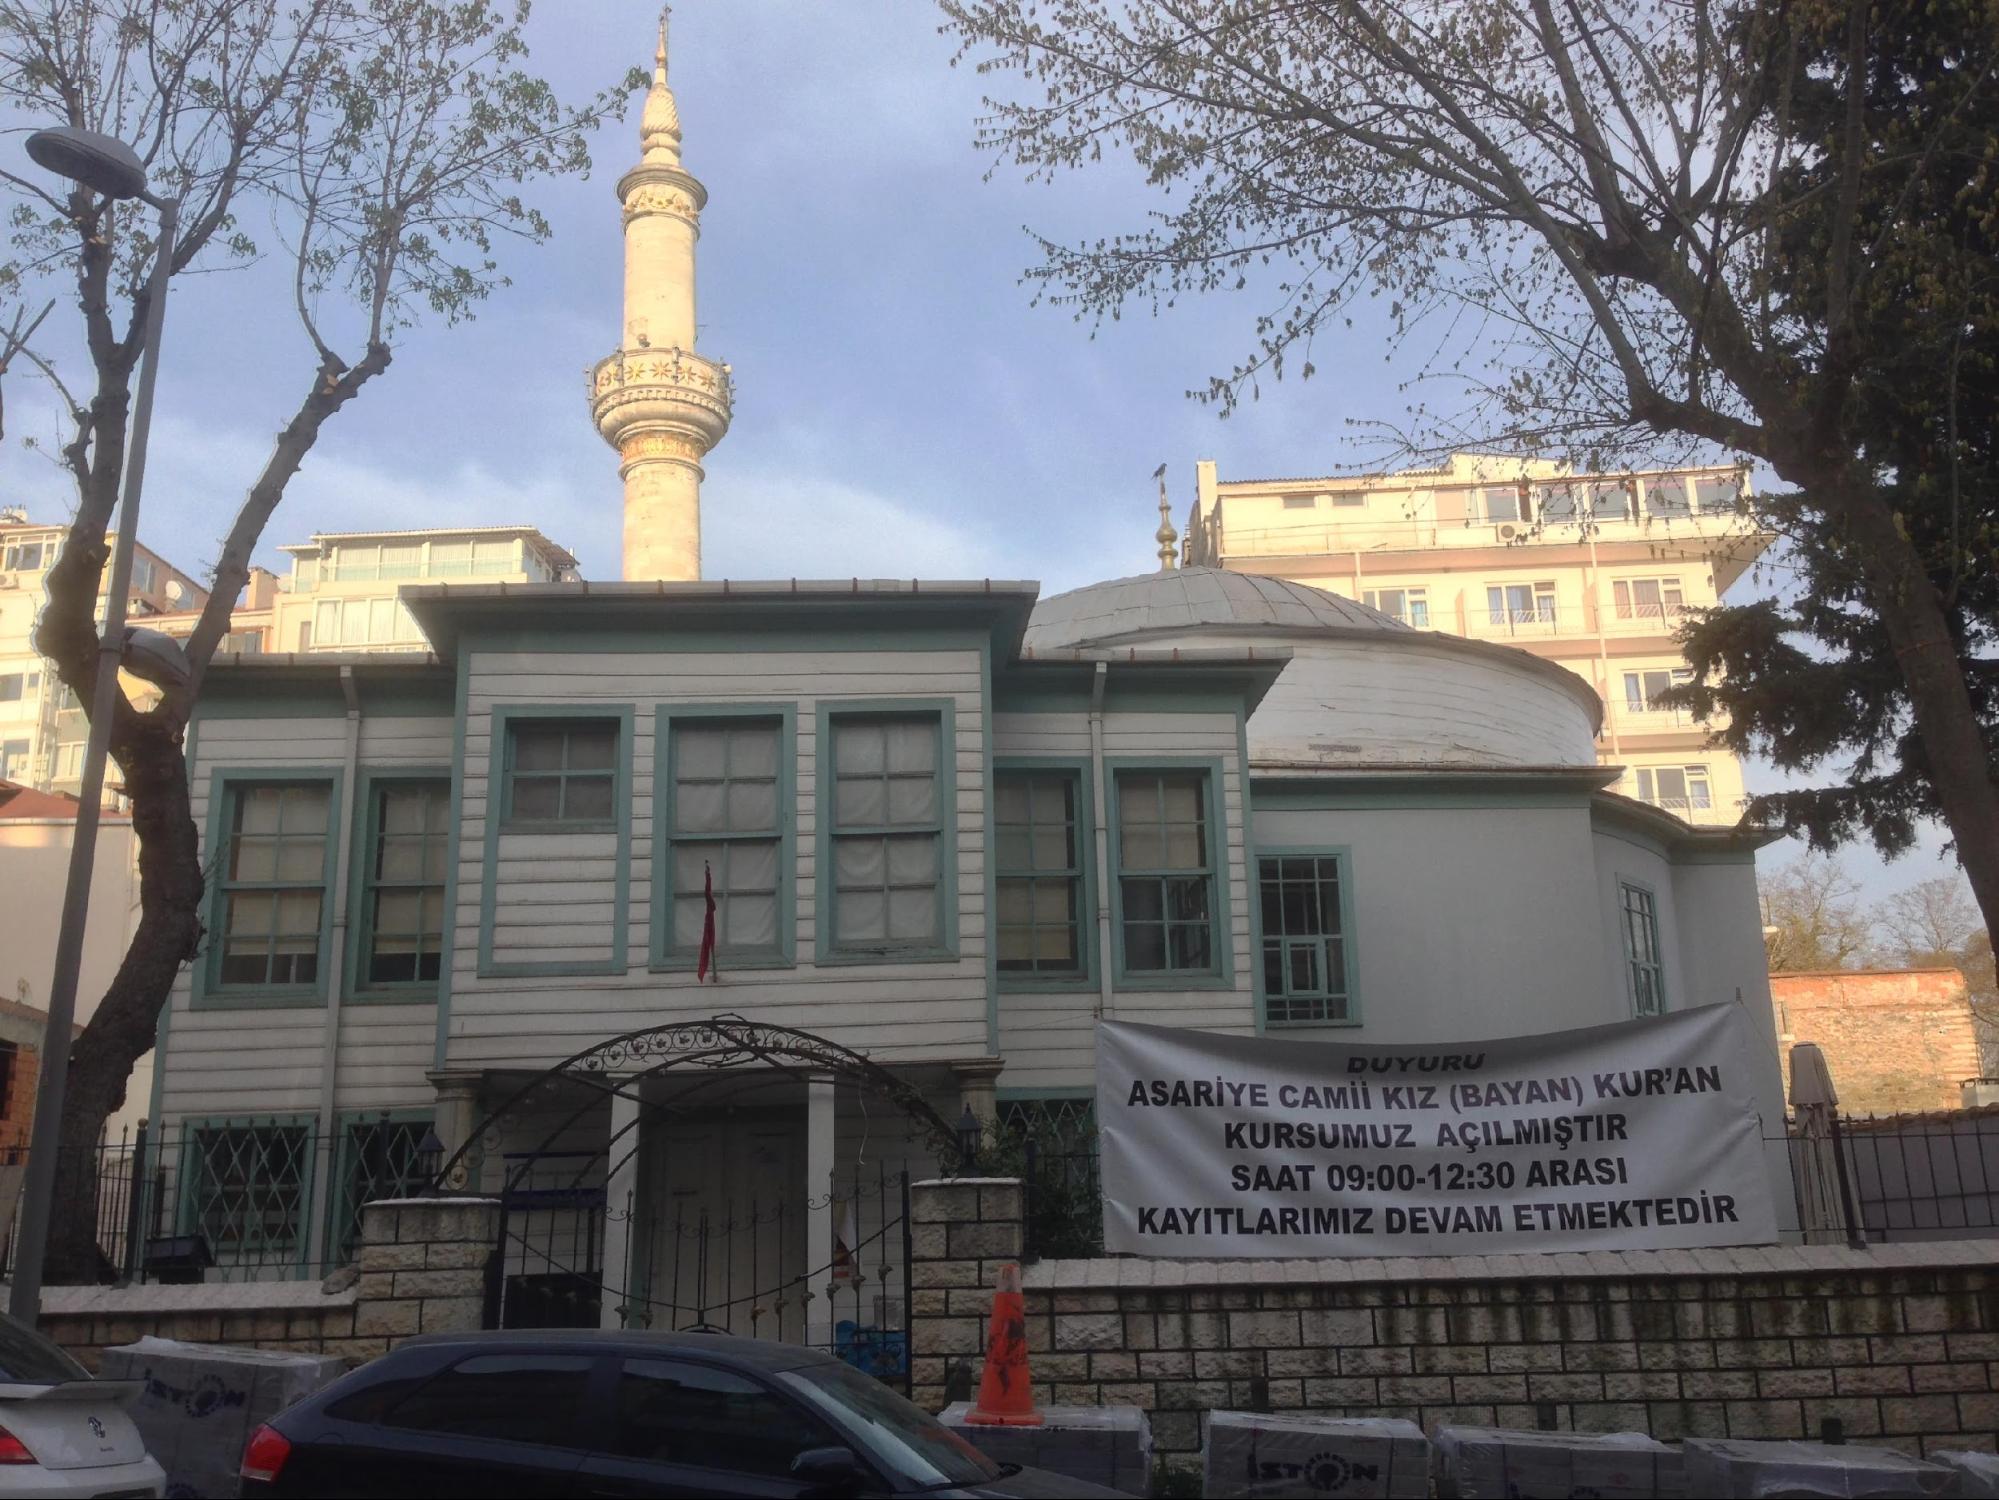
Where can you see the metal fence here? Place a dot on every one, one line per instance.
(242, 1199)
(1907, 1177)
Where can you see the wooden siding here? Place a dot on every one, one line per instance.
(892, 1011)
(1048, 1038)
(265, 1060)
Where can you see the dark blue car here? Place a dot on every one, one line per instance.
(582, 1413)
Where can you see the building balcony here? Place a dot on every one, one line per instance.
(1320, 536)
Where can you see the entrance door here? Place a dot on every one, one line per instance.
(726, 1243)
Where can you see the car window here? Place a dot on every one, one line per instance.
(29, 1359)
(684, 1413)
(899, 1436)
(523, 1398)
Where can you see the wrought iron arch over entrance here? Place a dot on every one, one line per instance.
(532, 1131)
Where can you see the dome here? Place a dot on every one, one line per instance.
(1207, 600)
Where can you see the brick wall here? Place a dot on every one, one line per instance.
(1900, 1343)
(1897, 1042)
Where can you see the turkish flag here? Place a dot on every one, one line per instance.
(707, 959)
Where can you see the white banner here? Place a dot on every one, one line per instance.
(1635, 1136)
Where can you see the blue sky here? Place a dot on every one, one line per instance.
(901, 409)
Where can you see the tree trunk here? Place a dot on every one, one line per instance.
(1953, 740)
(126, 1024)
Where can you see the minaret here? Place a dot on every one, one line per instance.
(661, 405)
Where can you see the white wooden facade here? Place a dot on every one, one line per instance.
(1451, 788)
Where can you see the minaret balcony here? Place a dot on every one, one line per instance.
(654, 388)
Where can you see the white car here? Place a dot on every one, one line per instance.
(61, 1432)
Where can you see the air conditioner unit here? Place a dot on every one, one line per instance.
(1509, 532)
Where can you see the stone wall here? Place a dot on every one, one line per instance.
(1897, 1042)
(1899, 1343)
(422, 1270)
(292, 1315)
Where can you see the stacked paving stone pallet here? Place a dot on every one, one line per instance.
(1719, 1467)
(1104, 1445)
(1977, 1474)
(1492, 1463)
(1355, 1458)
(199, 1404)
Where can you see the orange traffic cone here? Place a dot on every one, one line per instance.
(1005, 1399)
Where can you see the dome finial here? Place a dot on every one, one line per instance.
(1166, 536)
(659, 57)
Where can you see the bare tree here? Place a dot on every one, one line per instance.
(1929, 925)
(1812, 917)
(1579, 206)
(386, 143)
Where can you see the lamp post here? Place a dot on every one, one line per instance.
(110, 167)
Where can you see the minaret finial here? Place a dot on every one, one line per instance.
(659, 125)
(659, 57)
(1166, 536)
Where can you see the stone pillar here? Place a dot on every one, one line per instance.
(963, 1230)
(819, 1159)
(978, 1090)
(458, 1115)
(423, 1266)
(621, 1200)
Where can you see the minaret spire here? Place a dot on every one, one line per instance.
(661, 405)
(1166, 536)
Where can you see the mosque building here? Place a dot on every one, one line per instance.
(459, 894)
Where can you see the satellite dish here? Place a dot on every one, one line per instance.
(176, 591)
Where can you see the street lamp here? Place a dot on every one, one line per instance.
(969, 1131)
(108, 166)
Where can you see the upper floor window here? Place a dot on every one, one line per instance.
(1675, 788)
(725, 824)
(1609, 500)
(362, 622)
(1720, 494)
(14, 759)
(1642, 688)
(1305, 960)
(887, 833)
(402, 907)
(27, 557)
(1039, 872)
(1410, 606)
(145, 574)
(1559, 502)
(273, 889)
(1167, 873)
(561, 773)
(305, 574)
(1648, 599)
(1666, 495)
(1301, 502)
(1503, 502)
(1515, 604)
(12, 685)
(1641, 949)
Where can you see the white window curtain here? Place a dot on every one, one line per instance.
(887, 833)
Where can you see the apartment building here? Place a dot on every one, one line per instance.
(1593, 571)
(338, 594)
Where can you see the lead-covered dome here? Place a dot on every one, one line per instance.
(1362, 688)
(1207, 599)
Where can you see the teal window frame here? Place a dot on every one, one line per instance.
(1220, 975)
(345, 1161)
(355, 985)
(1077, 771)
(569, 720)
(827, 948)
(207, 990)
(1342, 855)
(665, 958)
(1642, 973)
(503, 716)
(187, 1210)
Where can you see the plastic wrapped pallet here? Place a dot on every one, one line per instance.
(1977, 1473)
(1490, 1463)
(1716, 1466)
(1354, 1458)
(201, 1402)
(1106, 1445)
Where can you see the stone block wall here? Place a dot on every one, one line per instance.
(422, 1270)
(961, 1232)
(1899, 1343)
(1896, 1042)
(423, 1266)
